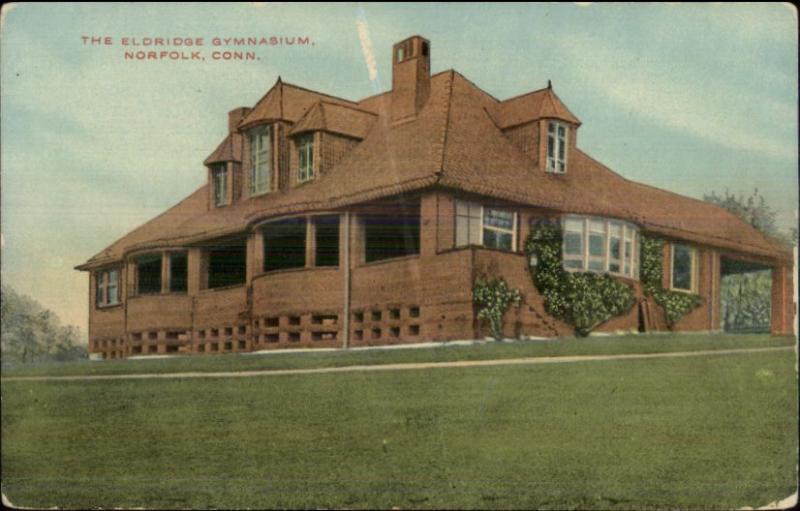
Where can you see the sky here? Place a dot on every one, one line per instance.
(687, 97)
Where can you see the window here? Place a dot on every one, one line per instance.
(148, 274)
(260, 159)
(388, 236)
(600, 245)
(107, 288)
(556, 147)
(285, 244)
(227, 264)
(220, 180)
(684, 267)
(490, 227)
(178, 272)
(326, 237)
(305, 148)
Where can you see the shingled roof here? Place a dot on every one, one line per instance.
(230, 149)
(335, 118)
(455, 142)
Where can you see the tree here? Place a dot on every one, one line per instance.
(31, 333)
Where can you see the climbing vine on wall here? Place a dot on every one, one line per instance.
(676, 304)
(494, 298)
(581, 299)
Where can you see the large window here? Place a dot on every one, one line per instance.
(684, 268)
(107, 287)
(557, 147)
(227, 264)
(220, 180)
(260, 159)
(600, 245)
(178, 272)
(326, 238)
(285, 244)
(148, 274)
(480, 225)
(305, 148)
(388, 236)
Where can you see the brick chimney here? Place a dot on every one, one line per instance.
(411, 77)
(235, 116)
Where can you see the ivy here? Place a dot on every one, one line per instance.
(581, 299)
(494, 298)
(676, 304)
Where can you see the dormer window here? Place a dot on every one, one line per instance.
(556, 147)
(305, 150)
(219, 178)
(260, 160)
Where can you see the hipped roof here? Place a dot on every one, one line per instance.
(455, 142)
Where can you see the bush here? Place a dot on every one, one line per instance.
(581, 299)
(494, 298)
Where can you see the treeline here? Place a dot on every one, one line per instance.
(31, 333)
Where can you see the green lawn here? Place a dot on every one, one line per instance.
(715, 431)
(570, 346)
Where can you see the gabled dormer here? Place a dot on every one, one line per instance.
(224, 165)
(325, 134)
(541, 126)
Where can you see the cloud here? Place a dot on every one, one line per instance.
(695, 103)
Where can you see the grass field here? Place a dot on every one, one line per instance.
(658, 343)
(716, 431)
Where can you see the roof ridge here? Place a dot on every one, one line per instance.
(299, 87)
(322, 113)
(518, 96)
(365, 98)
(475, 85)
(552, 95)
(347, 106)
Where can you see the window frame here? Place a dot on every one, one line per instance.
(305, 143)
(259, 156)
(102, 286)
(628, 232)
(219, 200)
(553, 161)
(481, 219)
(693, 270)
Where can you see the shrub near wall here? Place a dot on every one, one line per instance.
(676, 304)
(581, 299)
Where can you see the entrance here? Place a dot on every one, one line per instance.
(745, 296)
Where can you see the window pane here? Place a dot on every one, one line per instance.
(148, 271)
(551, 150)
(597, 245)
(682, 267)
(498, 218)
(227, 264)
(462, 231)
(327, 240)
(596, 264)
(475, 230)
(285, 244)
(497, 239)
(99, 296)
(572, 224)
(613, 267)
(178, 272)
(573, 243)
(561, 131)
(390, 236)
(614, 248)
(573, 263)
(597, 226)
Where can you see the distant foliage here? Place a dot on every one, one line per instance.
(581, 299)
(31, 333)
(746, 301)
(494, 298)
(754, 210)
(676, 304)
